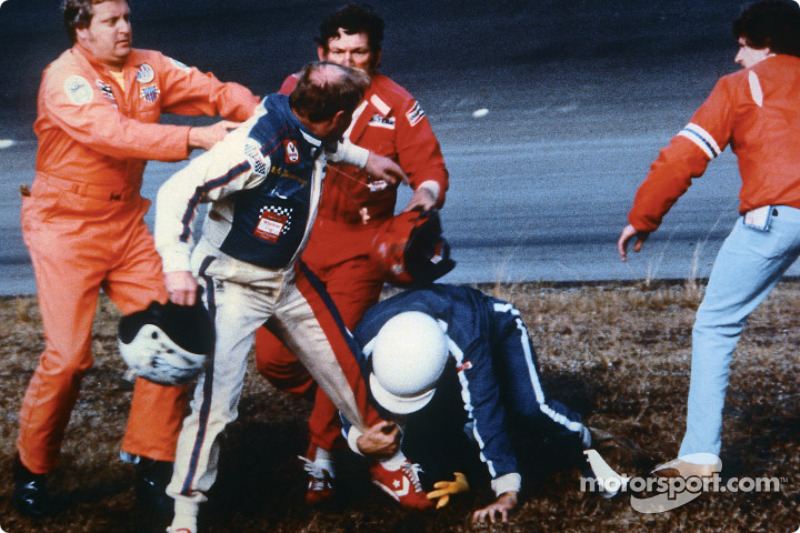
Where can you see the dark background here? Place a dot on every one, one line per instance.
(581, 96)
(427, 45)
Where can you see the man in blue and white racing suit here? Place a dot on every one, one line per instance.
(417, 341)
(263, 183)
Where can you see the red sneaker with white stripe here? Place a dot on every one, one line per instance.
(402, 485)
(320, 481)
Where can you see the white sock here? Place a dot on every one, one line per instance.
(323, 458)
(185, 516)
(394, 462)
(186, 508)
(322, 455)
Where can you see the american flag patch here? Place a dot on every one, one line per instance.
(145, 73)
(149, 93)
(105, 90)
(415, 114)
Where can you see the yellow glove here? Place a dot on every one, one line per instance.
(445, 488)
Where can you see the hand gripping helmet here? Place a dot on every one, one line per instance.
(408, 357)
(411, 250)
(167, 344)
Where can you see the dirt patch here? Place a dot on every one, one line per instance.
(618, 353)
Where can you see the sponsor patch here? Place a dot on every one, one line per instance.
(105, 90)
(292, 153)
(382, 122)
(252, 151)
(415, 114)
(78, 90)
(273, 222)
(145, 73)
(149, 93)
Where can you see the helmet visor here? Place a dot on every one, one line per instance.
(401, 405)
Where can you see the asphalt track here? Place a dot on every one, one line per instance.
(580, 98)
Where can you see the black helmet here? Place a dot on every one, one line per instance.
(167, 343)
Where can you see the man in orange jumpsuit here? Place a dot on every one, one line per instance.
(99, 104)
(389, 122)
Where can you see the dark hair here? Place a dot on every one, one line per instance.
(352, 18)
(326, 88)
(78, 14)
(773, 24)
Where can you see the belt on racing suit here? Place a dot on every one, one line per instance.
(91, 190)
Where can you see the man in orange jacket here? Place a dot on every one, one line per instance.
(389, 122)
(99, 104)
(757, 111)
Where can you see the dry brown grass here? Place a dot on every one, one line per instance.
(619, 353)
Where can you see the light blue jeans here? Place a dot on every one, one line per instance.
(749, 264)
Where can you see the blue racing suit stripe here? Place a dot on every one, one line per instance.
(208, 385)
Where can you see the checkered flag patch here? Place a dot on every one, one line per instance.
(252, 150)
(285, 213)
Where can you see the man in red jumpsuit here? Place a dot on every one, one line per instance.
(389, 122)
(98, 108)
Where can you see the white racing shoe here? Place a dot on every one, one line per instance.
(609, 482)
(181, 529)
(685, 469)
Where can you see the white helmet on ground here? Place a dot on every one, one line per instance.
(167, 343)
(408, 357)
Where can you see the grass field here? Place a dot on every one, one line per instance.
(618, 353)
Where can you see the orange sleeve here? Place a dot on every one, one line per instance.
(685, 158)
(670, 176)
(188, 91)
